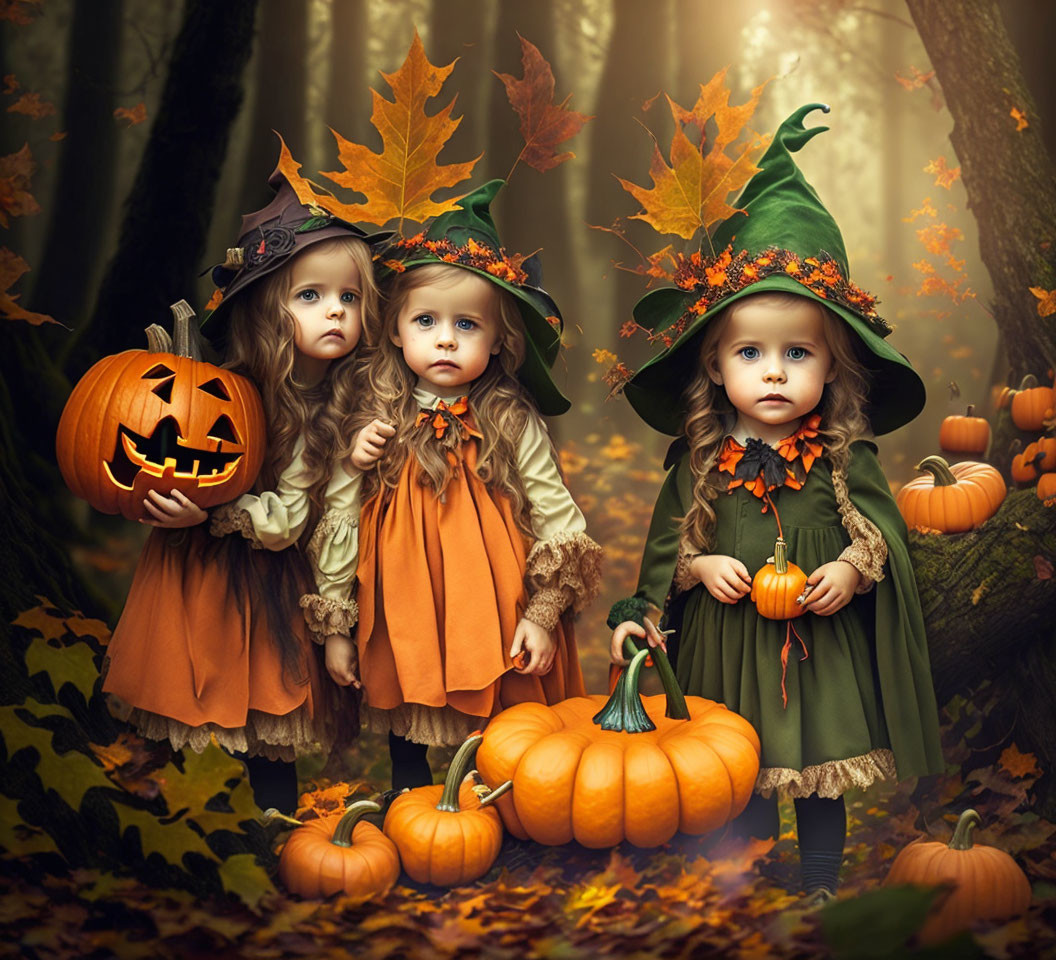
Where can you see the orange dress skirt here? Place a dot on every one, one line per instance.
(441, 591)
(187, 662)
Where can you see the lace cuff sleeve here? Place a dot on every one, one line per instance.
(563, 572)
(325, 616)
(868, 551)
(230, 518)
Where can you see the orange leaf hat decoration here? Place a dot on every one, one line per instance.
(780, 239)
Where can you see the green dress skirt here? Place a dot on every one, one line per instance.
(860, 705)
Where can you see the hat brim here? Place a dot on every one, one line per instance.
(542, 342)
(896, 393)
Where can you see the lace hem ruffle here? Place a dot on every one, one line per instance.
(436, 726)
(831, 779)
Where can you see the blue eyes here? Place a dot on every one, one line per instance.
(793, 353)
(749, 353)
(311, 296)
(426, 321)
(797, 353)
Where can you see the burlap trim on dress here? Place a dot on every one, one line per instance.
(566, 562)
(326, 616)
(231, 519)
(831, 779)
(436, 726)
(868, 551)
(265, 734)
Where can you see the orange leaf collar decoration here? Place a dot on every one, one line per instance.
(544, 124)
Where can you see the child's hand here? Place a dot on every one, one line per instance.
(629, 628)
(370, 444)
(532, 639)
(834, 584)
(172, 512)
(726, 578)
(340, 660)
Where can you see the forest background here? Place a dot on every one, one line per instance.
(116, 226)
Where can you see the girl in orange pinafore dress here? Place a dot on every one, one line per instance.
(215, 637)
(473, 555)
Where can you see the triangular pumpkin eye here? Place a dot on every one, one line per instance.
(158, 371)
(164, 389)
(216, 388)
(223, 429)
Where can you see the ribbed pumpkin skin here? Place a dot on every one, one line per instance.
(1046, 486)
(1032, 406)
(956, 508)
(988, 885)
(965, 434)
(313, 867)
(114, 393)
(574, 781)
(774, 594)
(444, 847)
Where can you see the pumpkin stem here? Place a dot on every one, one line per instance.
(624, 711)
(158, 339)
(496, 793)
(939, 469)
(781, 556)
(272, 814)
(970, 412)
(343, 834)
(962, 833)
(1029, 382)
(184, 344)
(456, 773)
(676, 700)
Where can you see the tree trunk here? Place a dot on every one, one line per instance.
(458, 28)
(171, 201)
(81, 201)
(348, 75)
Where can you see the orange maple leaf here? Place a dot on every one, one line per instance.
(938, 236)
(1046, 301)
(10, 83)
(400, 181)
(544, 124)
(1020, 117)
(134, 115)
(1019, 764)
(925, 210)
(690, 191)
(31, 105)
(16, 170)
(916, 80)
(944, 175)
(57, 136)
(12, 266)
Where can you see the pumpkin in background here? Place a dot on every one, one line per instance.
(160, 419)
(988, 884)
(1046, 486)
(777, 585)
(1024, 466)
(967, 434)
(951, 499)
(1033, 404)
(601, 770)
(339, 854)
(1043, 452)
(447, 834)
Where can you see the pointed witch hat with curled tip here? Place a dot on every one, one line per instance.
(783, 240)
(467, 237)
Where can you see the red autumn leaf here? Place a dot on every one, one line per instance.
(16, 170)
(1019, 764)
(544, 124)
(31, 105)
(1046, 301)
(944, 175)
(134, 115)
(1020, 117)
(10, 83)
(12, 266)
(215, 299)
(689, 192)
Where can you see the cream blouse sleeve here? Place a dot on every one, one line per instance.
(275, 519)
(333, 552)
(564, 564)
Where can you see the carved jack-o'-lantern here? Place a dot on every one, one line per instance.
(160, 419)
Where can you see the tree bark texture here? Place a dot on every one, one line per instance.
(1008, 174)
(347, 75)
(171, 201)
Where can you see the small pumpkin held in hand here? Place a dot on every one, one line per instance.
(777, 586)
(987, 882)
(447, 834)
(340, 854)
(160, 419)
(951, 499)
(967, 434)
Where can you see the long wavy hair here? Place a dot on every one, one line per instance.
(261, 346)
(500, 406)
(710, 416)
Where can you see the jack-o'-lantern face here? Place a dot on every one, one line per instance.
(141, 421)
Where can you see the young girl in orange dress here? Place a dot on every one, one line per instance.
(215, 637)
(473, 554)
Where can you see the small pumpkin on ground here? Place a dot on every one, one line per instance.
(339, 854)
(951, 499)
(601, 770)
(967, 434)
(1032, 404)
(988, 884)
(447, 834)
(1046, 488)
(1046, 448)
(1023, 467)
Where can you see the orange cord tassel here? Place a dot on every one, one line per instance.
(789, 630)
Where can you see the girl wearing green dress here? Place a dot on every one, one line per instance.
(777, 374)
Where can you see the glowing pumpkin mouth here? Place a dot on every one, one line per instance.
(161, 455)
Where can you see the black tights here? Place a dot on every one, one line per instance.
(410, 766)
(274, 782)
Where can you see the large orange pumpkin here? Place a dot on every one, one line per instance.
(601, 771)
(987, 882)
(967, 434)
(1032, 404)
(951, 499)
(160, 419)
(340, 854)
(447, 834)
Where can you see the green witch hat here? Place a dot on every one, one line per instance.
(466, 237)
(784, 240)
